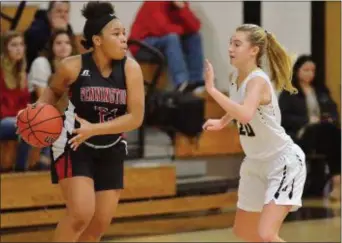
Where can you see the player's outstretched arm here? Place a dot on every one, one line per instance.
(135, 103)
(242, 112)
(66, 72)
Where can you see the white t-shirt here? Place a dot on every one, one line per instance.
(263, 137)
(39, 74)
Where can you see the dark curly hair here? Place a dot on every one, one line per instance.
(98, 14)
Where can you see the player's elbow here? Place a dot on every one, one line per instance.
(245, 118)
(246, 115)
(138, 119)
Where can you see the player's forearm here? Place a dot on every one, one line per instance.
(121, 124)
(235, 110)
(49, 96)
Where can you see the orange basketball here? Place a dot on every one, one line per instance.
(40, 125)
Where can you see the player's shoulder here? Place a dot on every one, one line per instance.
(257, 80)
(132, 65)
(131, 62)
(71, 66)
(71, 62)
(259, 74)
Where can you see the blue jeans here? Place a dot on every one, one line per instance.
(184, 55)
(7, 132)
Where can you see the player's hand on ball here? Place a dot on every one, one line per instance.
(83, 133)
(209, 76)
(213, 125)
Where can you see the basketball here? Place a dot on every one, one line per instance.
(40, 125)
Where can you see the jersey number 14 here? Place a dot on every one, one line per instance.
(246, 130)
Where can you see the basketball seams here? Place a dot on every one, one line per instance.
(39, 123)
(29, 124)
(19, 117)
(34, 117)
(51, 133)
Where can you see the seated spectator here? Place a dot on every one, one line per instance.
(43, 25)
(14, 96)
(174, 29)
(60, 45)
(311, 118)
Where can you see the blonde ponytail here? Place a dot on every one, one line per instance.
(280, 64)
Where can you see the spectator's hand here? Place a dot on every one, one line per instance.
(58, 23)
(82, 134)
(209, 76)
(213, 125)
(179, 4)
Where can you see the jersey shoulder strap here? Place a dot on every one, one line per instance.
(119, 69)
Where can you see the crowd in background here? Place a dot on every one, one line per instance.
(29, 59)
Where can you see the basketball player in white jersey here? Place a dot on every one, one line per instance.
(273, 174)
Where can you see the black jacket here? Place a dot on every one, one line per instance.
(294, 109)
(37, 36)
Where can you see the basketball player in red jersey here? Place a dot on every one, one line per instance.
(106, 99)
(273, 173)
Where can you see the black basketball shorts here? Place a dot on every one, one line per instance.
(104, 165)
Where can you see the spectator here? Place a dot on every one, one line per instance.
(60, 45)
(43, 25)
(311, 118)
(14, 96)
(174, 29)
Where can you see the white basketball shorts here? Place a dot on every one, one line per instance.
(280, 179)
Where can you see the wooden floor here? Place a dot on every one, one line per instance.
(325, 226)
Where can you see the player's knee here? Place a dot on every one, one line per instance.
(238, 232)
(99, 225)
(267, 235)
(81, 218)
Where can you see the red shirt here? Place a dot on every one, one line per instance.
(161, 18)
(11, 100)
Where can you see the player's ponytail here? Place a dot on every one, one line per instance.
(279, 61)
(280, 64)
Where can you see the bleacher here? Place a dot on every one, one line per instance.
(155, 200)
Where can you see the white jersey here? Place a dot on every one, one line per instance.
(263, 137)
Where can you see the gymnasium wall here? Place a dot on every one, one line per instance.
(333, 50)
(289, 21)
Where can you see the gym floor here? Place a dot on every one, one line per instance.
(318, 221)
